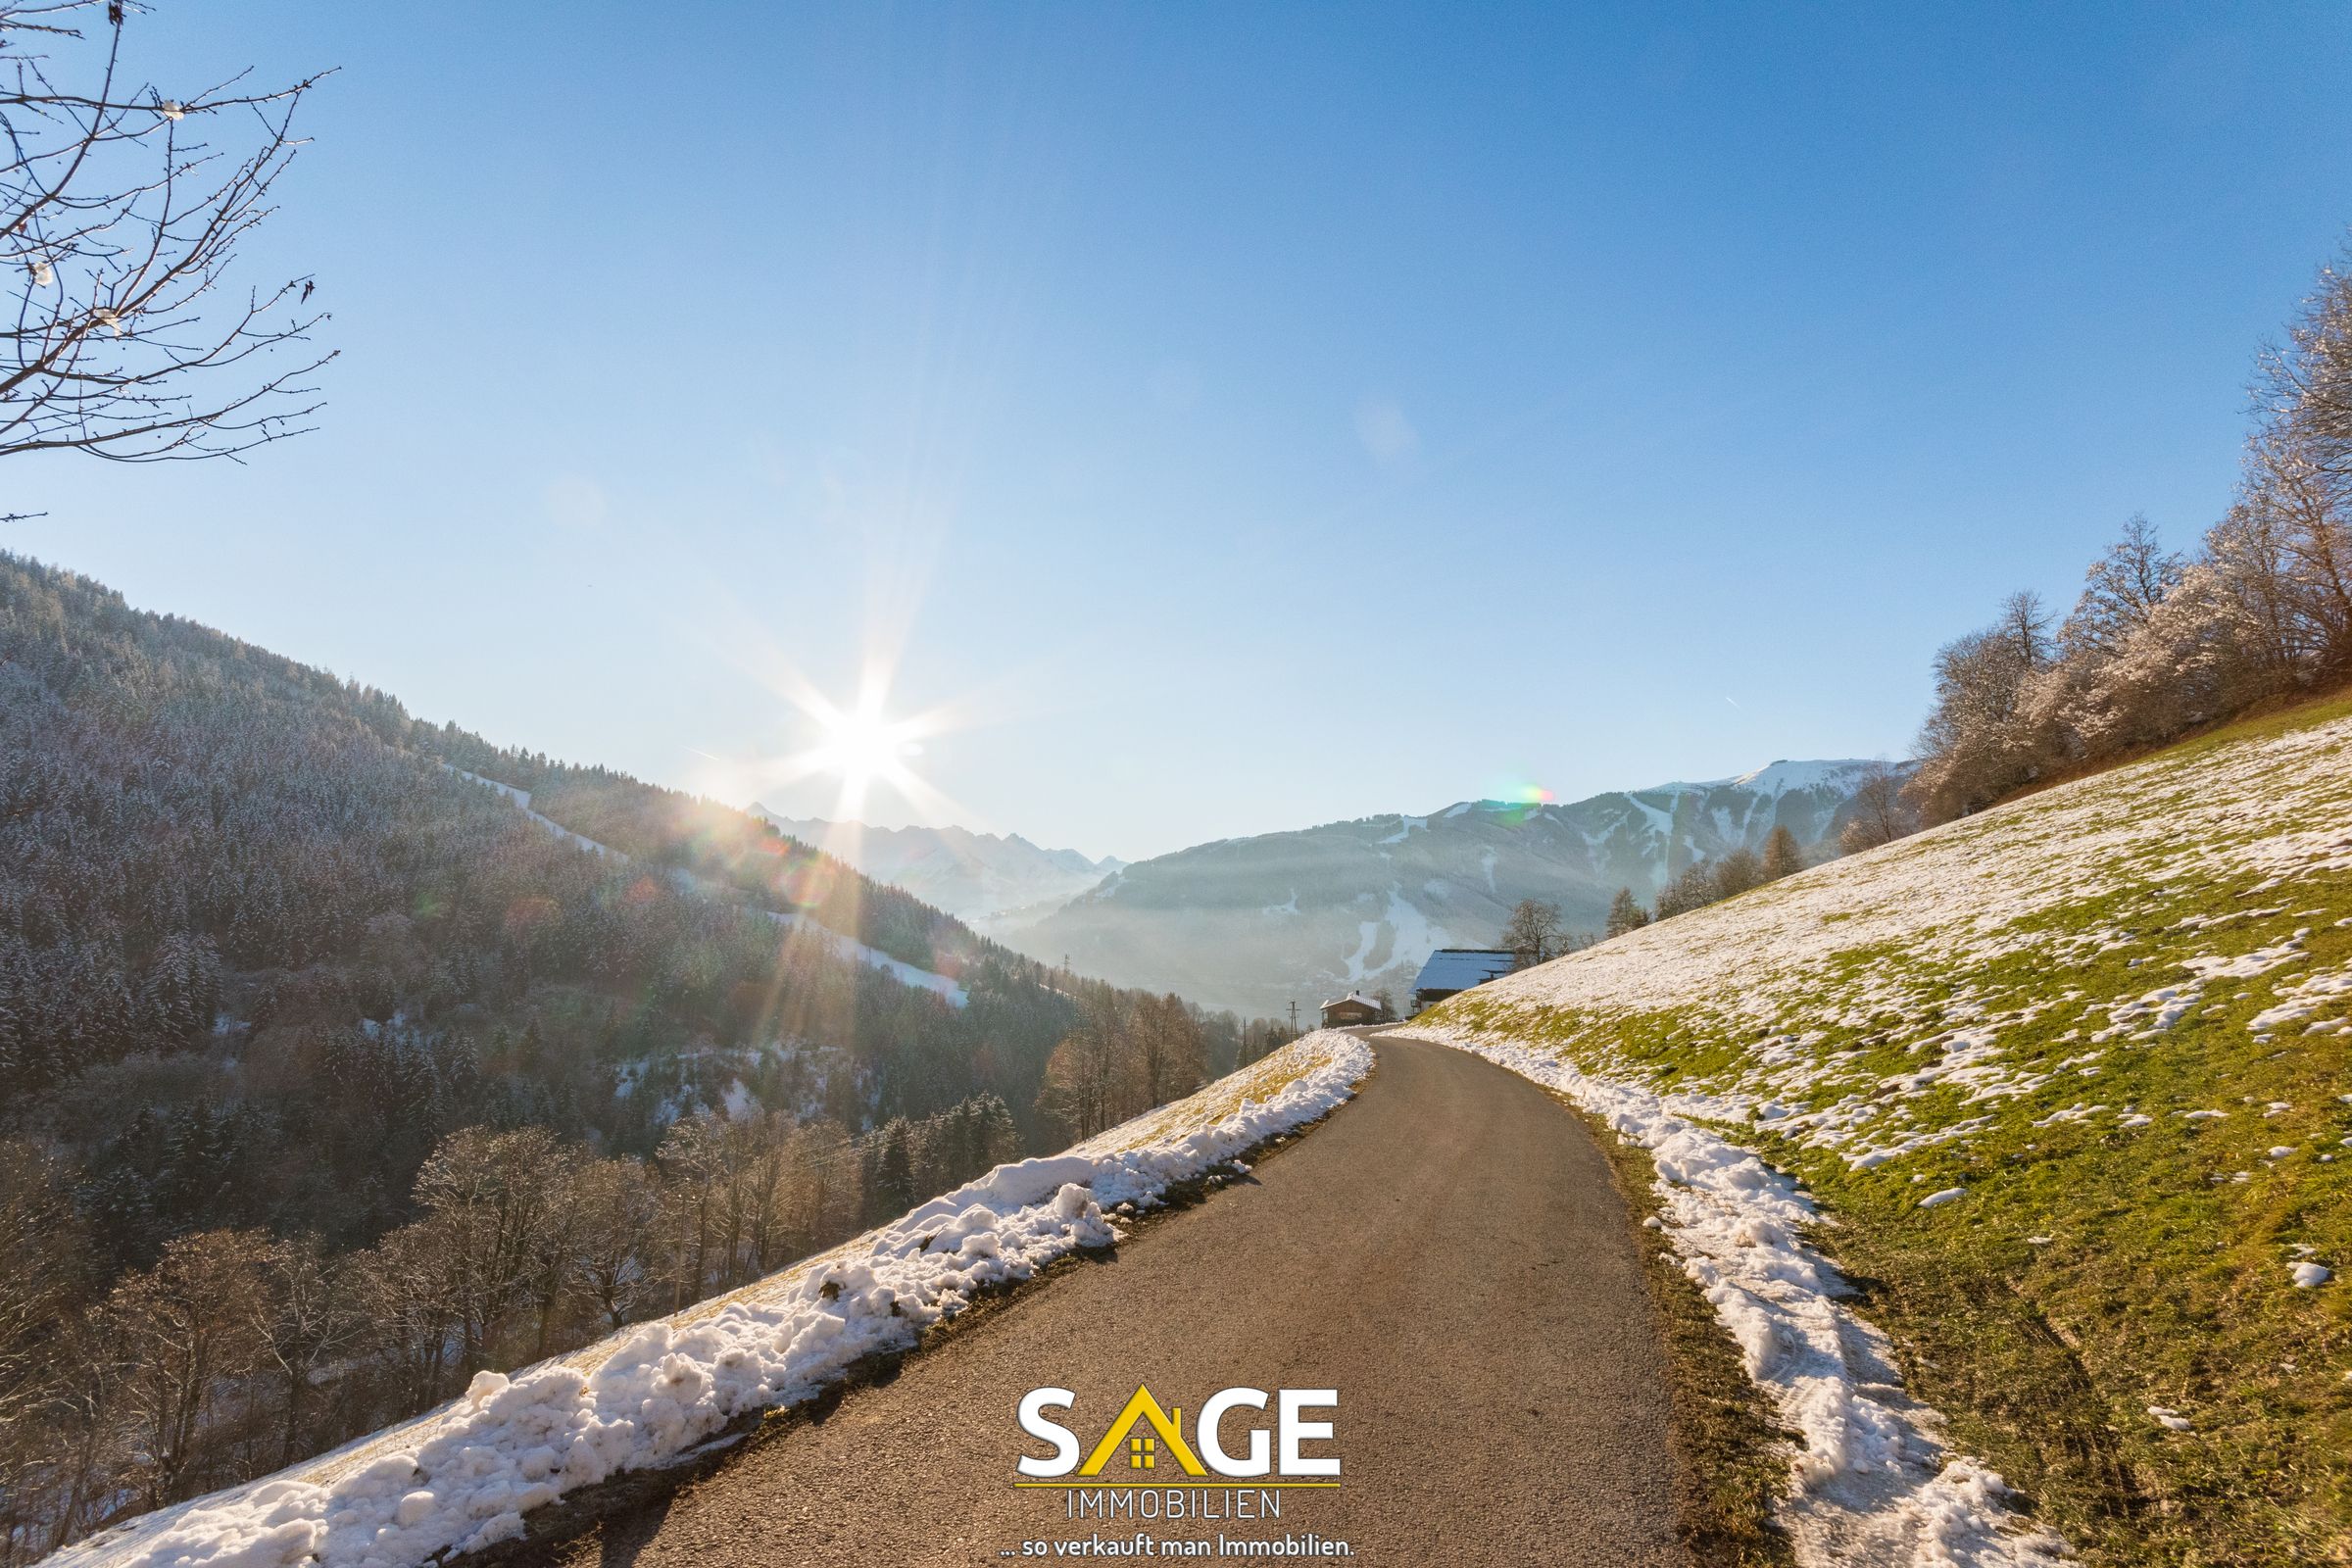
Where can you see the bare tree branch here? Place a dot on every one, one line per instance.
(119, 232)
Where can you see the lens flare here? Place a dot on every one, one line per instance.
(1519, 800)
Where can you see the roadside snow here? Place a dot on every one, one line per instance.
(463, 1477)
(1822, 979)
(1874, 1483)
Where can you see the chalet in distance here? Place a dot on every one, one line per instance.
(1352, 1010)
(1451, 971)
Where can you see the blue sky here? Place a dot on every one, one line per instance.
(1242, 416)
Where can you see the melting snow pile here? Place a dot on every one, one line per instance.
(1875, 1485)
(463, 1477)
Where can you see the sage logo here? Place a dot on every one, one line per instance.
(1232, 1437)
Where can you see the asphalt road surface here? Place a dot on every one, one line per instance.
(1448, 1251)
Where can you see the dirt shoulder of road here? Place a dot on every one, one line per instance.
(1732, 1460)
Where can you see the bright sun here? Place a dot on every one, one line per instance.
(861, 745)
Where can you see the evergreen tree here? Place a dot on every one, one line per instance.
(893, 1192)
(1625, 914)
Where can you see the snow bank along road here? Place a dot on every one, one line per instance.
(466, 1476)
(1448, 1251)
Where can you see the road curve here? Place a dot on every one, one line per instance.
(1449, 1252)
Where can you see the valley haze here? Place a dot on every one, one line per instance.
(1258, 923)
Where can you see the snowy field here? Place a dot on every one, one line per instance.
(2122, 997)
(465, 1476)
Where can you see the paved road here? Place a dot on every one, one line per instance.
(1447, 1252)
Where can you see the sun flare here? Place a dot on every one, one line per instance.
(861, 745)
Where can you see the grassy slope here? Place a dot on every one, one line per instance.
(1940, 997)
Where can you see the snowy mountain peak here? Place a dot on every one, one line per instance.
(1776, 779)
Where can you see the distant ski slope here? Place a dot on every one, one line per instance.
(1258, 923)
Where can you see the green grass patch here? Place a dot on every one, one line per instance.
(2098, 1264)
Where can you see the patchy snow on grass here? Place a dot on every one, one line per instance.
(463, 1477)
(1874, 1485)
(1923, 1005)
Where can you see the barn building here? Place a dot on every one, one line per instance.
(1452, 970)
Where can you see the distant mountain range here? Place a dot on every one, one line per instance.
(990, 881)
(1258, 923)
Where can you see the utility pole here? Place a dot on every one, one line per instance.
(1294, 1019)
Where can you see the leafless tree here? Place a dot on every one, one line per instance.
(2305, 383)
(1879, 814)
(1781, 855)
(2121, 591)
(490, 1199)
(40, 1292)
(1692, 889)
(1533, 933)
(1736, 873)
(821, 1195)
(304, 1321)
(402, 1289)
(620, 1212)
(1981, 740)
(184, 1334)
(1089, 1077)
(121, 212)
(1168, 1060)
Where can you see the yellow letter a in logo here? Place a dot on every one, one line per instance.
(1143, 1407)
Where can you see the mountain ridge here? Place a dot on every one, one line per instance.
(1267, 919)
(984, 879)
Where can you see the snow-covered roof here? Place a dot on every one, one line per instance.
(1353, 995)
(1460, 968)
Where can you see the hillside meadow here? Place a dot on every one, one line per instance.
(2066, 1080)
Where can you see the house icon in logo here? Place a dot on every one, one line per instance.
(1143, 1449)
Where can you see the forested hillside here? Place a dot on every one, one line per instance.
(329, 1075)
